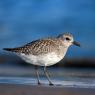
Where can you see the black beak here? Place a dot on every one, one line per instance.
(76, 43)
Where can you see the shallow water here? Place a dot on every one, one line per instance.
(61, 77)
(76, 82)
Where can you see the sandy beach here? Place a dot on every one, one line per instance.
(13, 89)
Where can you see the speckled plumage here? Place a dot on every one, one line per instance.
(41, 46)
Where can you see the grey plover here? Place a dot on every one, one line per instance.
(45, 52)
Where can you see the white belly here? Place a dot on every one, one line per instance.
(42, 60)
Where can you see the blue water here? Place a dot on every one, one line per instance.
(22, 21)
(61, 77)
(76, 82)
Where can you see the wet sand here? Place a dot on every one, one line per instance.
(19, 89)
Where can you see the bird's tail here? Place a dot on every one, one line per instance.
(16, 50)
(8, 49)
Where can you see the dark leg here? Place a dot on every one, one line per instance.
(37, 74)
(46, 73)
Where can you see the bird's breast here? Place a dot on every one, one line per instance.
(42, 60)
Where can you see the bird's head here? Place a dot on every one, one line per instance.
(68, 39)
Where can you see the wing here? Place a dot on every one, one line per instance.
(37, 47)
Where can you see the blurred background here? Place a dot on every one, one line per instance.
(22, 21)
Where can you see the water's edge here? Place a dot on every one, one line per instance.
(58, 83)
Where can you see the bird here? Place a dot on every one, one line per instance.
(45, 52)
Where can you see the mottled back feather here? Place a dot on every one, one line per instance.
(41, 46)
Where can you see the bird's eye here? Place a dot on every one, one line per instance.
(68, 39)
